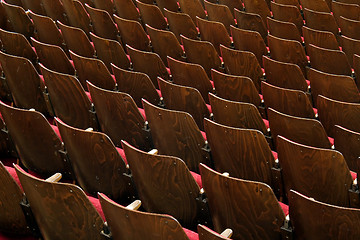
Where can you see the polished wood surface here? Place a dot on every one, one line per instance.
(356, 66)
(77, 15)
(285, 30)
(106, 5)
(289, 2)
(126, 9)
(349, 27)
(55, 10)
(193, 8)
(170, 5)
(350, 46)
(319, 6)
(207, 234)
(323, 21)
(250, 21)
(181, 24)
(319, 38)
(287, 13)
(258, 7)
(350, 11)
(220, 13)
(232, 4)
(151, 15)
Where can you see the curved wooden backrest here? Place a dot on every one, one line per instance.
(106, 5)
(69, 100)
(289, 2)
(151, 15)
(316, 172)
(55, 10)
(191, 75)
(165, 185)
(319, 38)
(36, 143)
(132, 33)
(92, 70)
(148, 63)
(323, 21)
(61, 210)
(287, 13)
(258, 7)
(76, 40)
(110, 51)
(77, 15)
(240, 204)
(318, 5)
(186, 99)
(170, 5)
(193, 8)
(236, 114)
(250, 21)
(349, 27)
(203, 53)
(53, 57)
(235, 88)
(285, 30)
(181, 24)
(347, 10)
(350, 47)
(130, 224)
(251, 41)
(176, 133)
(332, 112)
(34, 6)
(337, 87)
(138, 85)
(127, 9)
(242, 63)
(305, 131)
(206, 233)
(26, 91)
(97, 165)
(316, 220)
(220, 13)
(356, 66)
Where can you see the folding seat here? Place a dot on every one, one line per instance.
(292, 102)
(76, 40)
(176, 133)
(214, 32)
(133, 34)
(287, 13)
(258, 7)
(232, 5)
(102, 24)
(186, 99)
(312, 219)
(323, 21)
(336, 87)
(151, 15)
(193, 8)
(55, 10)
(160, 192)
(92, 70)
(119, 118)
(350, 46)
(329, 61)
(34, 6)
(138, 85)
(110, 51)
(190, 75)
(106, 5)
(77, 15)
(349, 27)
(181, 24)
(68, 99)
(332, 112)
(129, 224)
(315, 5)
(46, 30)
(96, 163)
(203, 53)
(251, 21)
(37, 143)
(206, 233)
(53, 57)
(318, 38)
(349, 11)
(148, 63)
(284, 30)
(251, 41)
(285, 75)
(315, 172)
(165, 44)
(242, 63)
(26, 92)
(288, 51)
(305, 131)
(170, 5)
(249, 205)
(61, 210)
(18, 20)
(220, 13)
(126, 9)
(289, 2)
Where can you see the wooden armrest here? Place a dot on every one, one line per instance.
(134, 205)
(89, 129)
(227, 233)
(54, 178)
(153, 152)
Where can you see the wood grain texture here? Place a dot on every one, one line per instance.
(356, 66)
(106, 5)
(127, 9)
(207, 234)
(251, 21)
(176, 133)
(55, 10)
(151, 15)
(350, 47)
(258, 7)
(323, 21)
(61, 210)
(220, 13)
(319, 38)
(289, 2)
(285, 30)
(232, 5)
(250, 209)
(181, 24)
(349, 26)
(77, 15)
(319, 6)
(193, 8)
(315, 172)
(34, 6)
(287, 13)
(170, 5)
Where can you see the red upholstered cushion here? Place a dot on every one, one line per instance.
(275, 154)
(5, 237)
(307, 82)
(96, 203)
(159, 92)
(212, 83)
(88, 95)
(261, 97)
(331, 140)
(266, 122)
(209, 107)
(191, 235)
(12, 172)
(142, 113)
(353, 175)
(285, 208)
(168, 70)
(56, 130)
(315, 111)
(122, 154)
(203, 134)
(197, 178)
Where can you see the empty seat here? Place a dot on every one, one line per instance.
(232, 4)
(151, 15)
(193, 8)
(206, 233)
(55, 10)
(285, 30)
(258, 7)
(220, 13)
(251, 21)
(287, 13)
(323, 21)
(315, 5)
(350, 46)
(181, 24)
(289, 2)
(77, 15)
(356, 65)
(170, 5)
(350, 11)
(319, 38)
(349, 27)
(34, 6)
(106, 5)
(126, 9)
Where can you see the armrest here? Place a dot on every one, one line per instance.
(227, 233)
(135, 205)
(54, 178)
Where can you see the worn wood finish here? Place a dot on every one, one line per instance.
(130, 224)
(206, 233)
(258, 7)
(251, 21)
(127, 9)
(252, 210)
(309, 170)
(77, 15)
(26, 91)
(53, 57)
(203, 53)
(350, 11)
(323, 21)
(151, 15)
(287, 13)
(291, 102)
(242, 63)
(350, 46)
(164, 184)
(285, 30)
(220, 13)
(319, 5)
(137, 85)
(96, 163)
(318, 38)
(236, 114)
(186, 99)
(55, 10)
(337, 87)
(191, 75)
(349, 27)
(332, 112)
(193, 8)
(181, 24)
(68, 99)
(61, 210)
(329, 61)
(236, 88)
(176, 133)
(110, 51)
(305, 131)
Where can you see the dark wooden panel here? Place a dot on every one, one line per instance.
(350, 47)
(319, 38)
(323, 21)
(181, 24)
(193, 8)
(250, 21)
(167, 4)
(285, 30)
(151, 15)
(349, 27)
(77, 15)
(220, 13)
(258, 7)
(127, 9)
(34, 6)
(55, 10)
(350, 11)
(319, 6)
(287, 13)
(206, 233)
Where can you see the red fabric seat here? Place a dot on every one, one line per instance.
(275, 154)
(191, 235)
(285, 208)
(96, 203)
(88, 95)
(331, 140)
(209, 107)
(204, 135)
(12, 172)
(56, 130)
(197, 178)
(122, 154)
(266, 122)
(142, 113)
